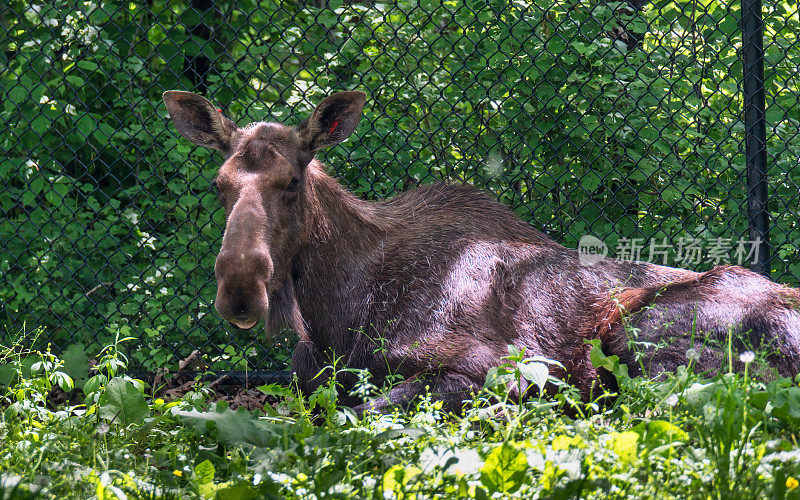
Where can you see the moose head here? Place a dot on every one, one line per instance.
(263, 188)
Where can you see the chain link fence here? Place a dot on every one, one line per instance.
(622, 120)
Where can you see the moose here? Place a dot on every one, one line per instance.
(436, 283)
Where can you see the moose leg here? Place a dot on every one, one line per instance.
(452, 389)
(725, 308)
(307, 362)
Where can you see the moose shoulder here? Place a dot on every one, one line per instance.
(435, 283)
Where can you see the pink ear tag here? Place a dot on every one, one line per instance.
(220, 110)
(333, 127)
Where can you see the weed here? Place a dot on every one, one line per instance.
(728, 436)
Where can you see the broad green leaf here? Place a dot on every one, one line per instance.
(95, 383)
(658, 433)
(236, 427)
(239, 490)
(204, 472)
(535, 373)
(505, 469)
(398, 476)
(76, 80)
(123, 402)
(625, 445)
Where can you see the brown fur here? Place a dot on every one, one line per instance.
(435, 284)
(608, 313)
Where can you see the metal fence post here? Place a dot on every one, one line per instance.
(755, 133)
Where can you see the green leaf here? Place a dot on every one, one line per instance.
(18, 94)
(75, 80)
(659, 433)
(85, 125)
(625, 445)
(504, 469)
(40, 125)
(10, 165)
(398, 476)
(781, 400)
(610, 363)
(7, 374)
(204, 472)
(240, 427)
(103, 132)
(328, 476)
(535, 373)
(276, 390)
(87, 65)
(122, 402)
(240, 490)
(129, 308)
(94, 384)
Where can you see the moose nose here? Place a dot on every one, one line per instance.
(242, 306)
(242, 314)
(242, 279)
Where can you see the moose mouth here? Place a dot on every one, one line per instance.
(244, 326)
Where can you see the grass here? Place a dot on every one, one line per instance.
(729, 436)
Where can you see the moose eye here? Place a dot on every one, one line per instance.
(292, 187)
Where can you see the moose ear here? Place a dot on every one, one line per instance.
(198, 120)
(333, 120)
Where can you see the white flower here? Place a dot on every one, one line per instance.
(147, 241)
(133, 217)
(747, 357)
(30, 166)
(70, 109)
(692, 354)
(672, 400)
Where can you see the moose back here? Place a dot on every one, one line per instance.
(436, 283)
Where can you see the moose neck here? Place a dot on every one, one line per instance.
(331, 269)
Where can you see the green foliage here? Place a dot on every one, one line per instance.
(504, 469)
(122, 400)
(685, 437)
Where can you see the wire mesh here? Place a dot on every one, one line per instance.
(621, 120)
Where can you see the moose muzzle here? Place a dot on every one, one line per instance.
(244, 267)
